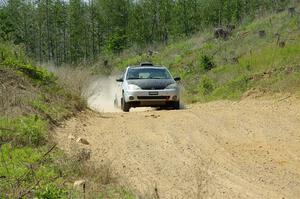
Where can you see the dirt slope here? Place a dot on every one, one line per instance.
(247, 149)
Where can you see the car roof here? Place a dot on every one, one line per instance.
(141, 67)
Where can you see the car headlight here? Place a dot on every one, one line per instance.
(172, 86)
(133, 87)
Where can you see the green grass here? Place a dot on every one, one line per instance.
(23, 131)
(20, 170)
(30, 172)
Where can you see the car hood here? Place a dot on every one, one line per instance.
(152, 84)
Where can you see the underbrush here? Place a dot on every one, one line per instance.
(33, 101)
(26, 173)
(46, 172)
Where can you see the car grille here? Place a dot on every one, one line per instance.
(150, 88)
(153, 97)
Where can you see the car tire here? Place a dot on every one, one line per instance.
(176, 105)
(124, 105)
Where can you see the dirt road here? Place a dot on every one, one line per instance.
(247, 149)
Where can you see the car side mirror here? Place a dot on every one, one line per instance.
(177, 79)
(120, 80)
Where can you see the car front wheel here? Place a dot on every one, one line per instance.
(176, 105)
(124, 105)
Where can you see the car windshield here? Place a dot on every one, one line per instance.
(148, 73)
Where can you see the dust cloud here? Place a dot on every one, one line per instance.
(100, 93)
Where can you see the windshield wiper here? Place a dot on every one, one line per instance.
(133, 78)
(157, 78)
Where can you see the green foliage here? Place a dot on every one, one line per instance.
(116, 43)
(233, 89)
(12, 160)
(29, 168)
(53, 111)
(9, 51)
(21, 168)
(206, 86)
(206, 63)
(37, 74)
(14, 57)
(272, 57)
(23, 131)
(51, 191)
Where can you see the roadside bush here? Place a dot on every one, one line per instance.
(35, 73)
(51, 191)
(206, 63)
(206, 86)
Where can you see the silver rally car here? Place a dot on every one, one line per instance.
(147, 85)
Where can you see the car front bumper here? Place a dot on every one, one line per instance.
(166, 95)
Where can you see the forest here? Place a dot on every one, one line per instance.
(78, 31)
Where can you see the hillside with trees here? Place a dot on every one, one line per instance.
(254, 58)
(80, 31)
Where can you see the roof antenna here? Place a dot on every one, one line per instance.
(146, 64)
